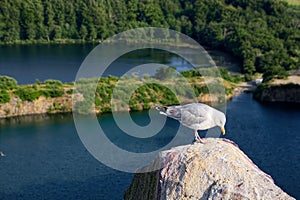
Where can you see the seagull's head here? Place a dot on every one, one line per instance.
(221, 121)
(171, 111)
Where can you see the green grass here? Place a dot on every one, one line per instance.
(294, 2)
(143, 97)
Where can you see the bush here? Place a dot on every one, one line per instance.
(27, 93)
(51, 82)
(106, 109)
(191, 73)
(274, 72)
(200, 89)
(7, 83)
(4, 96)
(70, 91)
(98, 102)
(227, 76)
(56, 92)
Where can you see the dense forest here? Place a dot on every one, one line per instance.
(264, 34)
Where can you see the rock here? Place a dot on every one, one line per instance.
(286, 93)
(215, 170)
(42, 105)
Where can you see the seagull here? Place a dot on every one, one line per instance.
(2, 154)
(197, 116)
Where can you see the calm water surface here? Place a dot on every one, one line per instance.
(45, 158)
(29, 63)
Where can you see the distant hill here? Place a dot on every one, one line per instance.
(264, 34)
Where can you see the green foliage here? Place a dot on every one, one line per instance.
(50, 83)
(190, 73)
(56, 92)
(200, 89)
(227, 76)
(263, 34)
(4, 96)
(97, 101)
(86, 89)
(7, 83)
(274, 72)
(27, 93)
(165, 73)
(70, 91)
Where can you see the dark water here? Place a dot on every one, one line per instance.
(28, 63)
(46, 160)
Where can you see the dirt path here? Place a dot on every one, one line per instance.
(290, 79)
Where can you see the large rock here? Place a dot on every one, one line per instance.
(215, 170)
(286, 93)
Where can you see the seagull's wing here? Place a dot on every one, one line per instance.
(196, 116)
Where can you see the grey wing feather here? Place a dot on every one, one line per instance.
(195, 115)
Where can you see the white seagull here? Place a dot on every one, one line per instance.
(197, 116)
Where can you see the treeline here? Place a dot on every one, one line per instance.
(264, 34)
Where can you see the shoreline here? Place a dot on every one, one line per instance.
(97, 112)
(53, 96)
(279, 90)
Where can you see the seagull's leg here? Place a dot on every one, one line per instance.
(198, 138)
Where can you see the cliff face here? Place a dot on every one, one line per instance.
(215, 170)
(279, 93)
(17, 107)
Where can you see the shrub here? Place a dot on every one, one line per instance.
(191, 73)
(55, 92)
(98, 102)
(106, 109)
(227, 76)
(70, 91)
(51, 82)
(7, 83)
(4, 96)
(27, 93)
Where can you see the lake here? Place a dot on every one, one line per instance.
(28, 63)
(45, 158)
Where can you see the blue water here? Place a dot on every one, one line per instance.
(27, 63)
(46, 160)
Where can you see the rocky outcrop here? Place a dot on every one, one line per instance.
(288, 93)
(17, 107)
(215, 170)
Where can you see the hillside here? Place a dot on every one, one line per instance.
(264, 34)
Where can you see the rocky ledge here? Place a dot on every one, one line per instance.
(215, 170)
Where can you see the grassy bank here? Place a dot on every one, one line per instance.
(164, 88)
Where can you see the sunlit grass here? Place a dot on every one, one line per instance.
(294, 2)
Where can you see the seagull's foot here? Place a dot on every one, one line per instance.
(198, 138)
(201, 140)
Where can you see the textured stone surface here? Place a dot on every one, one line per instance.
(279, 93)
(17, 107)
(215, 170)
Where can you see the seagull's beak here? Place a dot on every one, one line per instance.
(223, 130)
(162, 113)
